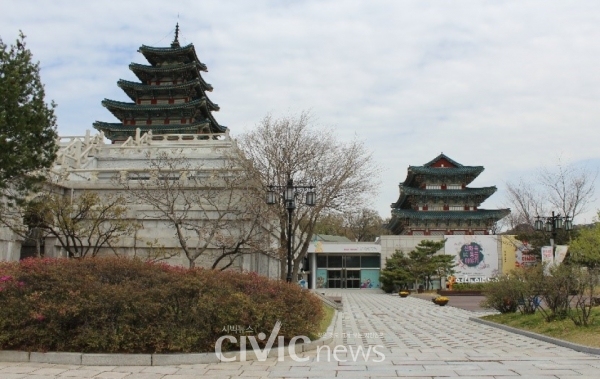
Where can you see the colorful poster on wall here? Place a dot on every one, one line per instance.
(515, 254)
(476, 257)
(369, 278)
(321, 278)
(561, 253)
(547, 258)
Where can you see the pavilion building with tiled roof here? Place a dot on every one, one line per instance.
(169, 99)
(435, 200)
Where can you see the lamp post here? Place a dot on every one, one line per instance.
(289, 193)
(552, 224)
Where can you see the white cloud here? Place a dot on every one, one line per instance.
(507, 85)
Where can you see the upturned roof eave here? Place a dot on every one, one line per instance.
(479, 214)
(481, 191)
(149, 51)
(118, 127)
(132, 89)
(138, 67)
(119, 105)
(443, 156)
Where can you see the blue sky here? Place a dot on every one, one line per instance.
(510, 85)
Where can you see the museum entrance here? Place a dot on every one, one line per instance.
(347, 271)
(344, 278)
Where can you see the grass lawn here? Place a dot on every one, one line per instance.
(562, 329)
(329, 312)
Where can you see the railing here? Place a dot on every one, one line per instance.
(77, 151)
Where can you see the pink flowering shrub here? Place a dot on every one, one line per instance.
(121, 305)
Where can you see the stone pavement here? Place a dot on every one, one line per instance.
(408, 338)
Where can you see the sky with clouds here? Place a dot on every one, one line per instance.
(510, 85)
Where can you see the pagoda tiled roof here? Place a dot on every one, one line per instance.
(138, 69)
(167, 64)
(447, 171)
(115, 130)
(481, 193)
(480, 214)
(152, 107)
(153, 54)
(442, 156)
(131, 88)
(466, 174)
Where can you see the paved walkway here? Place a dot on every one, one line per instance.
(470, 303)
(399, 337)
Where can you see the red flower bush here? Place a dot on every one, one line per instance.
(117, 305)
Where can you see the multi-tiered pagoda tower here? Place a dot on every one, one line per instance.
(435, 200)
(171, 98)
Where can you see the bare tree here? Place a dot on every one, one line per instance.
(525, 202)
(570, 188)
(83, 224)
(567, 190)
(212, 210)
(343, 174)
(363, 224)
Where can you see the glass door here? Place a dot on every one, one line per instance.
(334, 278)
(351, 278)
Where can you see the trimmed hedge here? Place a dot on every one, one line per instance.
(119, 305)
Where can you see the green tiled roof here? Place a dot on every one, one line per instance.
(167, 50)
(447, 171)
(154, 54)
(151, 107)
(483, 191)
(480, 214)
(480, 194)
(131, 88)
(118, 127)
(442, 156)
(161, 70)
(116, 131)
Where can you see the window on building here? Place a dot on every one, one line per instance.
(352, 261)
(433, 186)
(370, 261)
(321, 261)
(334, 261)
(456, 208)
(454, 186)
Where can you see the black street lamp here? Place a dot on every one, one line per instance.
(552, 224)
(289, 193)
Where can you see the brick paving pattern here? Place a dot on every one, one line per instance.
(418, 339)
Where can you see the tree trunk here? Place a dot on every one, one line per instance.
(283, 266)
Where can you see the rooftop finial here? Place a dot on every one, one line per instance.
(176, 40)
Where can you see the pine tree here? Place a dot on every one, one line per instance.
(426, 264)
(397, 272)
(27, 124)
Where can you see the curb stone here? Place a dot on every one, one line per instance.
(540, 337)
(155, 359)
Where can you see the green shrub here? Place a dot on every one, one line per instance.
(117, 305)
(518, 290)
(501, 295)
(469, 286)
(556, 291)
